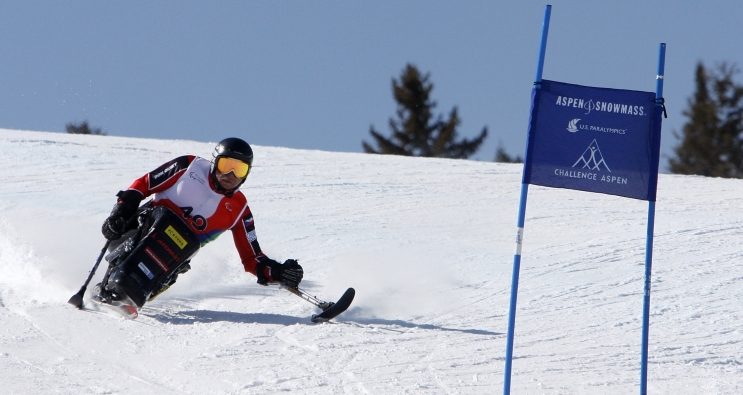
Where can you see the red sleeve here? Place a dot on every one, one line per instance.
(247, 244)
(163, 177)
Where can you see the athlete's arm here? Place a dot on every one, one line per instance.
(247, 244)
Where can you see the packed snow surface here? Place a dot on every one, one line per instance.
(427, 244)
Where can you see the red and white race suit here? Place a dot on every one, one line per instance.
(185, 186)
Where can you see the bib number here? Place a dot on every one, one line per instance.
(197, 221)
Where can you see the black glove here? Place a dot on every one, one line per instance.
(114, 227)
(117, 222)
(289, 273)
(292, 273)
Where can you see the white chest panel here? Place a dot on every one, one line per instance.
(193, 190)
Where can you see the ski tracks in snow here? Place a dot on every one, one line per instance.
(427, 244)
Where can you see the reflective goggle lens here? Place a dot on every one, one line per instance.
(226, 165)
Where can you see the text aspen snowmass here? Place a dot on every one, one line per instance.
(600, 106)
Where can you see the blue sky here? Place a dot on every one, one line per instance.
(317, 74)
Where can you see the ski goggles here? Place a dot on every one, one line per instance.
(226, 165)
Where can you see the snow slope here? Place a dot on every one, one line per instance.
(428, 245)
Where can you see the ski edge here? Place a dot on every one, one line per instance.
(122, 310)
(337, 308)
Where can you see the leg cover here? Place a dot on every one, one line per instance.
(164, 248)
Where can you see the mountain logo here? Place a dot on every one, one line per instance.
(572, 125)
(592, 158)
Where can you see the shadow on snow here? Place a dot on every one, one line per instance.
(204, 316)
(410, 325)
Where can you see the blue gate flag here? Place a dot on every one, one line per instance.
(594, 139)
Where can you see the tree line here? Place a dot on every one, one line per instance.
(710, 142)
(712, 138)
(417, 131)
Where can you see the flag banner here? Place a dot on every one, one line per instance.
(594, 139)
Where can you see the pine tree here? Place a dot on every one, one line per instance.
(712, 144)
(415, 132)
(502, 156)
(82, 128)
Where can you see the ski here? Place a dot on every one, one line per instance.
(336, 308)
(330, 310)
(122, 309)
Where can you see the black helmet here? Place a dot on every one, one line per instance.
(231, 147)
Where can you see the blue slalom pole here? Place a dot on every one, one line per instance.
(649, 244)
(520, 223)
